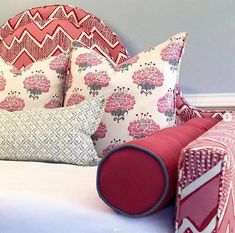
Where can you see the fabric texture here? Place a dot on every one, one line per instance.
(140, 91)
(140, 177)
(206, 181)
(39, 85)
(185, 112)
(52, 135)
(48, 30)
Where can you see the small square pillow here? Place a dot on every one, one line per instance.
(140, 91)
(39, 85)
(52, 135)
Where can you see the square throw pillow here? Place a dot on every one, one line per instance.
(52, 135)
(139, 92)
(39, 85)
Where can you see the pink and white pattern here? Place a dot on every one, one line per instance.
(76, 97)
(100, 132)
(55, 102)
(2, 82)
(185, 112)
(143, 126)
(172, 52)
(49, 30)
(119, 103)
(206, 182)
(166, 105)
(12, 102)
(113, 144)
(148, 78)
(96, 80)
(59, 64)
(36, 86)
(86, 60)
(139, 96)
(124, 66)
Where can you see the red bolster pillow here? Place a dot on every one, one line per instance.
(140, 177)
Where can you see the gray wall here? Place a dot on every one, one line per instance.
(209, 61)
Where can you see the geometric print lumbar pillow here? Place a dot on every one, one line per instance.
(39, 85)
(139, 93)
(60, 135)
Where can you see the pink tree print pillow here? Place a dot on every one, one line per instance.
(39, 85)
(139, 92)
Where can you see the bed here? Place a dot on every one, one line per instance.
(57, 198)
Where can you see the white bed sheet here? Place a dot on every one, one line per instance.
(57, 198)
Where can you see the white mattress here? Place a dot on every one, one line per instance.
(57, 198)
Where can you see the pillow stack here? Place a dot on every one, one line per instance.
(43, 131)
(139, 95)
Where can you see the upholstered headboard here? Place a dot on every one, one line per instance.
(43, 31)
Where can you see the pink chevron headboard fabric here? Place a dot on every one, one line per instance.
(44, 31)
(185, 112)
(206, 183)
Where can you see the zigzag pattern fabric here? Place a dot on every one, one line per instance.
(185, 112)
(206, 185)
(44, 31)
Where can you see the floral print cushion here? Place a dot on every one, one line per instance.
(139, 92)
(39, 85)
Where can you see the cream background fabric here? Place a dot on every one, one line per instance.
(39, 85)
(139, 92)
